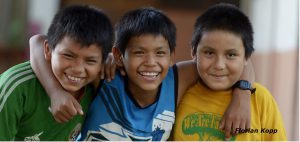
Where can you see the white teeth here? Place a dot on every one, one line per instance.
(149, 73)
(73, 78)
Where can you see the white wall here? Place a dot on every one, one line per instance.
(275, 23)
(276, 58)
(41, 12)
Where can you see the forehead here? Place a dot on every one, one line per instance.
(148, 41)
(70, 45)
(221, 39)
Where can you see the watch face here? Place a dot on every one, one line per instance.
(243, 84)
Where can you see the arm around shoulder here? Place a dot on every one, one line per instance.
(187, 76)
(40, 66)
(63, 105)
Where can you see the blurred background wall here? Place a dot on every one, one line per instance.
(276, 36)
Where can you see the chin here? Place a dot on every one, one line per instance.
(218, 87)
(71, 89)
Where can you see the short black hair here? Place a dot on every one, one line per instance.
(143, 21)
(86, 25)
(224, 17)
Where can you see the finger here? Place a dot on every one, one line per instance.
(228, 126)
(108, 67)
(107, 71)
(70, 110)
(60, 118)
(235, 127)
(102, 72)
(113, 70)
(228, 138)
(222, 124)
(248, 124)
(122, 70)
(65, 116)
(57, 119)
(243, 124)
(242, 127)
(78, 107)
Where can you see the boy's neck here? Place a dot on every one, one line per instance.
(210, 89)
(78, 94)
(143, 98)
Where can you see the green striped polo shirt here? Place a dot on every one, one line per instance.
(24, 113)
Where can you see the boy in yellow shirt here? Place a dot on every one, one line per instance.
(221, 45)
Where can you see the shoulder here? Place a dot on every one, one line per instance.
(196, 88)
(261, 90)
(194, 91)
(262, 95)
(15, 82)
(17, 78)
(170, 81)
(117, 81)
(16, 75)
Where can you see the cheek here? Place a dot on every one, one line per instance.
(94, 71)
(59, 65)
(165, 62)
(237, 69)
(57, 70)
(203, 64)
(130, 65)
(202, 69)
(56, 60)
(56, 64)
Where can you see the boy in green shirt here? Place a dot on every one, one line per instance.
(78, 40)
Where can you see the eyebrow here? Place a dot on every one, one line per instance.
(144, 48)
(69, 51)
(207, 47)
(93, 57)
(88, 57)
(210, 48)
(231, 50)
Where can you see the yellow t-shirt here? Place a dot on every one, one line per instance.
(200, 111)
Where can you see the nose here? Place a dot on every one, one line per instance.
(78, 67)
(219, 63)
(150, 60)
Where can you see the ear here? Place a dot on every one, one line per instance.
(194, 57)
(118, 56)
(47, 51)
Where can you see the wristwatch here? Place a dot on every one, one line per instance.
(244, 85)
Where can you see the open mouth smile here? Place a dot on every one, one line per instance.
(74, 79)
(149, 75)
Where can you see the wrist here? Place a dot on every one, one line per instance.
(242, 96)
(56, 92)
(244, 85)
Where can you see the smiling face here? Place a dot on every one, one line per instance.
(74, 66)
(220, 59)
(146, 60)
